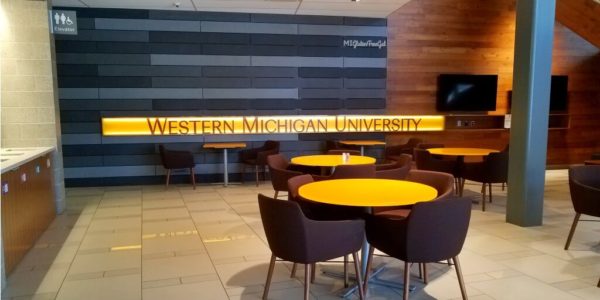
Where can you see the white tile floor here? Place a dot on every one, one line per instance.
(139, 242)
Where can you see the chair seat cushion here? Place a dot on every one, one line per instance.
(401, 213)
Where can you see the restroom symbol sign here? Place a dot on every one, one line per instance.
(63, 22)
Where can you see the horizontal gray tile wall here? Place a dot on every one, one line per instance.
(172, 63)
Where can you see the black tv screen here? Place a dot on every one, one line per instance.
(559, 92)
(461, 92)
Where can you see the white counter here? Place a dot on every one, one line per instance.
(11, 158)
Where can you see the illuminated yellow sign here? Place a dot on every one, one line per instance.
(268, 124)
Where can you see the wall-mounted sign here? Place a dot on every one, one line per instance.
(63, 22)
(365, 43)
(268, 124)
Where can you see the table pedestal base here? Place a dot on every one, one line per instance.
(373, 279)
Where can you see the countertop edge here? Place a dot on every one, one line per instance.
(28, 155)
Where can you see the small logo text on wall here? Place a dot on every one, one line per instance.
(365, 43)
(63, 22)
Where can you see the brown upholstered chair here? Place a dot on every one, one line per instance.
(280, 173)
(493, 169)
(335, 145)
(340, 151)
(395, 169)
(429, 145)
(426, 161)
(173, 159)
(442, 182)
(406, 148)
(296, 238)
(257, 157)
(584, 185)
(349, 171)
(433, 231)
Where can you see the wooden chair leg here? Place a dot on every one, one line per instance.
(361, 292)
(313, 271)
(269, 276)
(256, 171)
(168, 177)
(307, 281)
(572, 231)
(425, 279)
(193, 177)
(406, 280)
(369, 262)
(461, 281)
(345, 271)
(483, 200)
(598, 283)
(293, 273)
(420, 271)
(462, 186)
(503, 185)
(490, 191)
(276, 194)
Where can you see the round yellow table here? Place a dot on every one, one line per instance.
(362, 144)
(331, 160)
(368, 193)
(461, 151)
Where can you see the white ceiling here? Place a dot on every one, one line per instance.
(363, 8)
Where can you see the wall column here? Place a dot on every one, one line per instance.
(530, 108)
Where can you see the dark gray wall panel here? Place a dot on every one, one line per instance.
(365, 103)
(200, 16)
(199, 38)
(110, 13)
(118, 171)
(297, 19)
(244, 27)
(320, 72)
(105, 104)
(320, 104)
(176, 82)
(81, 150)
(156, 93)
(222, 82)
(78, 139)
(225, 104)
(131, 160)
(365, 21)
(364, 93)
(320, 40)
(129, 149)
(124, 82)
(361, 62)
(221, 49)
(67, 116)
(365, 72)
(75, 47)
(107, 35)
(321, 82)
(342, 30)
(249, 93)
(320, 51)
(148, 25)
(173, 48)
(85, 23)
(274, 72)
(124, 47)
(78, 93)
(274, 50)
(274, 82)
(274, 39)
(353, 83)
(103, 59)
(177, 71)
(66, 128)
(200, 60)
(82, 161)
(320, 93)
(176, 104)
(270, 104)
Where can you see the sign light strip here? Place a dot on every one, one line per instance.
(159, 126)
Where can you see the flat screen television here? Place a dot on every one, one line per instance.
(559, 93)
(462, 92)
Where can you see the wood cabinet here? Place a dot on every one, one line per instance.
(27, 207)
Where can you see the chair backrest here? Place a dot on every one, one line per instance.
(442, 182)
(397, 170)
(271, 145)
(353, 171)
(496, 166)
(422, 158)
(175, 159)
(584, 186)
(283, 222)
(277, 161)
(413, 142)
(331, 145)
(429, 146)
(295, 183)
(340, 151)
(436, 230)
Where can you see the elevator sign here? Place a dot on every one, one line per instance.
(63, 22)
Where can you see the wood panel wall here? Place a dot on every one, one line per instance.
(581, 16)
(430, 37)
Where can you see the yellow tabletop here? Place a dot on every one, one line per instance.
(224, 145)
(363, 142)
(331, 160)
(367, 192)
(461, 151)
